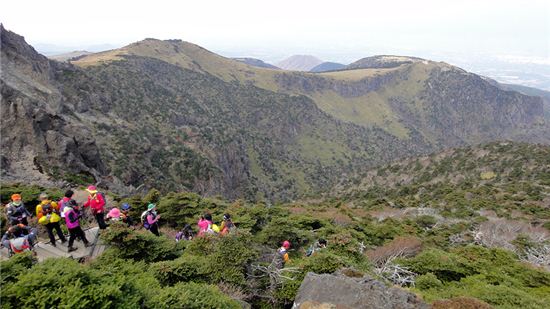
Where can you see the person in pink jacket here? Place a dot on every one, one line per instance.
(205, 225)
(96, 202)
(72, 216)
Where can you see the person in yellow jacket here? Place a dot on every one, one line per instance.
(45, 200)
(48, 215)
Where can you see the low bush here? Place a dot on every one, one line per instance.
(193, 295)
(140, 245)
(460, 303)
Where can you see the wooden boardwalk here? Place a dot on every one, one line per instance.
(45, 250)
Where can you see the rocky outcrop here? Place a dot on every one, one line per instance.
(40, 141)
(339, 291)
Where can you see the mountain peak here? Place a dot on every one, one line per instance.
(299, 63)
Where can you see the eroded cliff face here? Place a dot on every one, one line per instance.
(37, 136)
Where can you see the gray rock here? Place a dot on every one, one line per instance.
(340, 291)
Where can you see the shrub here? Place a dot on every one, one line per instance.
(139, 245)
(426, 221)
(284, 228)
(15, 266)
(185, 268)
(427, 281)
(178, 209)
(460, 303)
(65, 283)
(446, 266)
(399, 247)
(193, 295)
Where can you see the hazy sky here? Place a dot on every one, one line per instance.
(501, 27)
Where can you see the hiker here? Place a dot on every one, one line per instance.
(205, 224)
(125, 214)
(150, 218)
(26, 236)
(185, 234)
(281, 258)
(44, 200)
(96, 202)
(227, 225)
(48, 215)
(67, 197)
(72, 216)
(113, 215)
(318, 246)
(16, 211)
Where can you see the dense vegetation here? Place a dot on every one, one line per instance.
(438, 250)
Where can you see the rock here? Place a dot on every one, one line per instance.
(338, 291)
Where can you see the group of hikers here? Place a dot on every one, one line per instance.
(20, 236)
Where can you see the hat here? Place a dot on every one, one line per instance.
(43, 196)
(286, 244)
(125, 206)
(226, 216)
(114, 213)
(16, 197)
(151, 206)
(92, 189)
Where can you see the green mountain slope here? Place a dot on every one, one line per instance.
(511, 179)
(173, 115)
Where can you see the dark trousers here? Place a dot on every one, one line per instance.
(100, 221)
(50, 227)
(155, 229)
(76, 232)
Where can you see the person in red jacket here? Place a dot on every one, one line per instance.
(96, 202)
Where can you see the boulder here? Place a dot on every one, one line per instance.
(339, 291)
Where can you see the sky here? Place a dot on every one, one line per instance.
(510, 28)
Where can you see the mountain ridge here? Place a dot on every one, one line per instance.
(188, 119)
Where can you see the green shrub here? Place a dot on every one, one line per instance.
(140, 245)
(427, 281)
(183, 269)
(192, 295)
(426, 221)
(65, 283)
(15, 266)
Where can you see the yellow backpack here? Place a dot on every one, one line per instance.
(44, 220)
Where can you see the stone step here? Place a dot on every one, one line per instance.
(56, 251)
(43, 253)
